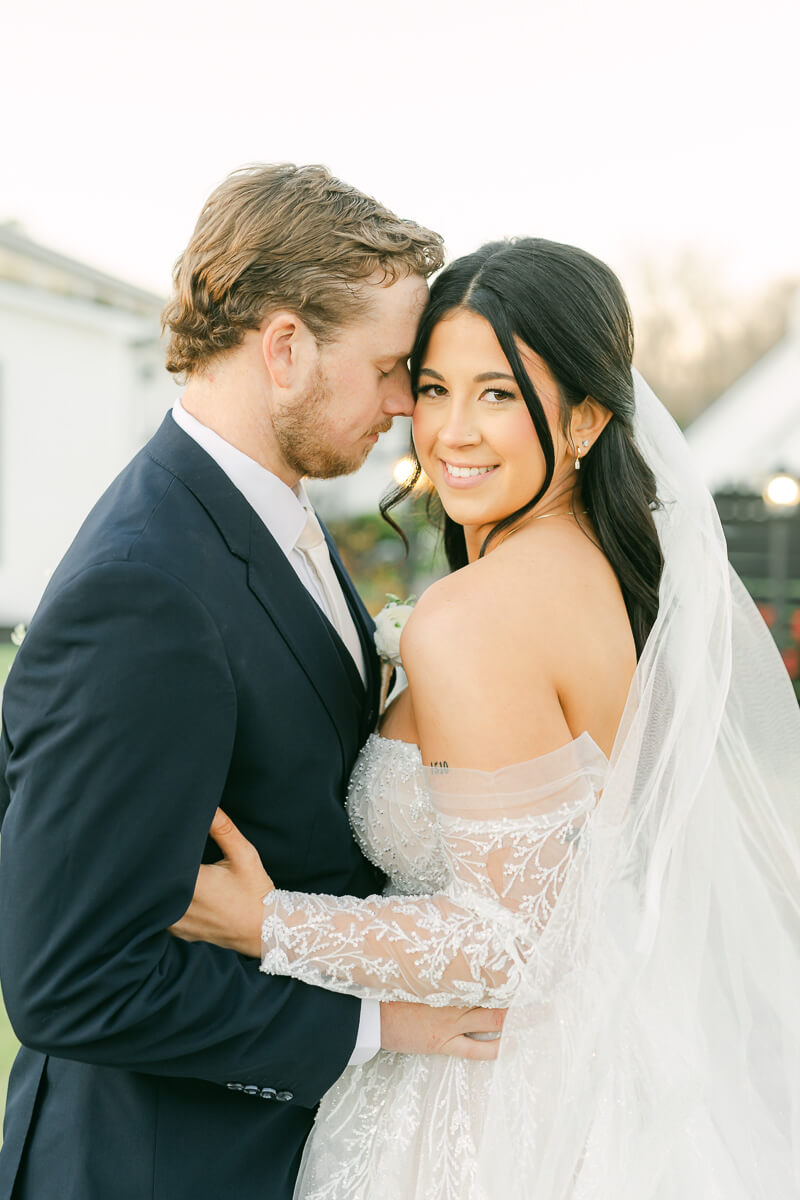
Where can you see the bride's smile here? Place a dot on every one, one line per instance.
(465, 474)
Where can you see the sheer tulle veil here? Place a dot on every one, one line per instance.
(653, 1051)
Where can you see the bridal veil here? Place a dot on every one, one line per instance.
(652, 1051)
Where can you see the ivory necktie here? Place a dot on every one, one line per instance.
(313, 546)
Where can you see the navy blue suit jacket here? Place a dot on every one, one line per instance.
(175, 663)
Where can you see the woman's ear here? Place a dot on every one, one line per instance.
(587, 422)
(289, 349)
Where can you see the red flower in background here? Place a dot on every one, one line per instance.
(768, 613)
(794, 624)
(791, 659)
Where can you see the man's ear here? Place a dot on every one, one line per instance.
(289, 348)
(587, 422)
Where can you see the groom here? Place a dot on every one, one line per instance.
(202, 645)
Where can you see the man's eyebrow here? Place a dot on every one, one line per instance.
(483, 378)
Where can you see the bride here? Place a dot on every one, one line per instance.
(586, 801)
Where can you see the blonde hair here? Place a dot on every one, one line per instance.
(282, 236)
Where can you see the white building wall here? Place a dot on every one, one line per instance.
(753, 429)
(82, 388)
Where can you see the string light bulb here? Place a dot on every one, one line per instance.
(782, 491)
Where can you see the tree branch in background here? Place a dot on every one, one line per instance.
(696, 334)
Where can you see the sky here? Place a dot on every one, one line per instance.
(633, 129)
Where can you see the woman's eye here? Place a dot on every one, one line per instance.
(497, 395)
(431, 390)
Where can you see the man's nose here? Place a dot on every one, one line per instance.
(399, 402)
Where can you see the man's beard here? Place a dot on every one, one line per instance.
(304, 441)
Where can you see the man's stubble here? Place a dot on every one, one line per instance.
(304, 437)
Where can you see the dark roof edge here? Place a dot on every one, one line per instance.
(13, 239)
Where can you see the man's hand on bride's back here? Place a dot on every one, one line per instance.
(420, 1029)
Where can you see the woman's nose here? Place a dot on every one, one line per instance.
(459, 428)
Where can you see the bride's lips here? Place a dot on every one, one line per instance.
(485, 471)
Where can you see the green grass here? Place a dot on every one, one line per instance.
(7, 652)
(8, 1043)
(8, 1048)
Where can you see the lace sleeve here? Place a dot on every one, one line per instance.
(508, 854)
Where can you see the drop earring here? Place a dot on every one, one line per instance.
(585, 442)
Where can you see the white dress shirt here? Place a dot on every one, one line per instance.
(283, 511)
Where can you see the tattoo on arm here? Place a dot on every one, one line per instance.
(439, 768)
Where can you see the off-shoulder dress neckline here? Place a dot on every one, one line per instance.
(584, 746)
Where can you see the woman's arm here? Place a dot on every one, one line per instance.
(465, 949)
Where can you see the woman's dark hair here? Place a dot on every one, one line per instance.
(570, 309)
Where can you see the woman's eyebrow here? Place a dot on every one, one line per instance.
(483, 378)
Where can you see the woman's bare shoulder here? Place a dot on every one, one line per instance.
(545, 575)
(478, 653)
(510, 639)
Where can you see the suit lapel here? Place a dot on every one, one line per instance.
(306, 631)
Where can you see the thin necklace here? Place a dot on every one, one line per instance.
(541, 516)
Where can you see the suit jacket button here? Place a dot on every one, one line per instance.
(250, 1090)
(285, 1096)
(235, 1087)
(268, 1093)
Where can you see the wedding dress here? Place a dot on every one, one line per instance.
(639, 916)
(496, 847)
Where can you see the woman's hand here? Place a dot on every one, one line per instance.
(227, 906)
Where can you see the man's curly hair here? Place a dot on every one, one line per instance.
(283, 236)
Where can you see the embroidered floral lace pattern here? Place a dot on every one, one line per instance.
(501, 864)
(495, 849)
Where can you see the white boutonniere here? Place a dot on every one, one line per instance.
(389, 625)
(18, 634)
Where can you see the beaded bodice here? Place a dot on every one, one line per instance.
(393, 818)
